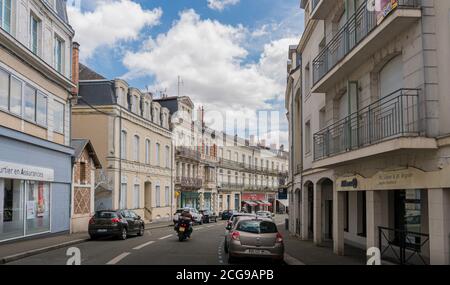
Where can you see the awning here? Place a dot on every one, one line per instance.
(250, 203)
(284, 202)
(264, 203)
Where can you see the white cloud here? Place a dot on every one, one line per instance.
(110, 23)
(220, 5)
(209, 56)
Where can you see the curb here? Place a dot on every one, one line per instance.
(11, 258)
(289, 260)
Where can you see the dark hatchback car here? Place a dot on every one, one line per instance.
(226, 215)
(119, 224)
(208, 216)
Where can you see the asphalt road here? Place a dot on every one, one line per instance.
(156, 247)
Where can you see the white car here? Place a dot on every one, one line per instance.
(265, 214)
(195, 214)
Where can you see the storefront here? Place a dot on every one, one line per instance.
(253, 202)
(35, 179)
(190, 200)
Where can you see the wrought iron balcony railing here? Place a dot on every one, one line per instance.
(189, 182)
(187, 152)
(357, 28)
(395, 115)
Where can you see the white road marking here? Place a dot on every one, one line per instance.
(117, 259)
(292, 260)
(161, 238)
(200, 228)
(143, 245)
(210, 226)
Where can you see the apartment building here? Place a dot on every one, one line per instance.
(249, 175)
(195, 155)
(373, 128)
(35, 91)
(131, 135)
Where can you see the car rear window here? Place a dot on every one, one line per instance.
(179, 212)
(257, 227)
(106, 215)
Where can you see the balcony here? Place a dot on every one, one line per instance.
(389, 124)
(321, 8)
(363, 34)
(189, 183)
(188, 153)
(232, 186)
(227, 163)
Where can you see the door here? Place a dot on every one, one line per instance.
(130, 220)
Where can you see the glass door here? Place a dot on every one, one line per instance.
(11, 209)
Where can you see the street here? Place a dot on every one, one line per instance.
(156, 247)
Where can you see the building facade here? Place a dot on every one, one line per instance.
(85, 165)
(35, 91)
(372, 128)
(131, 135)
(195, 155)
(249, 175)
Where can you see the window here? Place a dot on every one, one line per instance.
(158, 196)
(147, 151)
(167, 157)
(308, 137)
(15, 98)
(83, 173)
(167, 198)
(136, 196)
(147, 110)
(236, 202)
(136, 142)
(41, 109)
(5, 15)
(58, 117)
(34, 34)
(59, 54)
(30, 103)
(123, 145)
(123, 196)
(4, 89)
(157, 150)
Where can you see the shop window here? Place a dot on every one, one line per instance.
(37, 207)
(11, 209)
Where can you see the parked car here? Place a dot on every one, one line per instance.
(208, 216)
(232, 221)
(255, 238)
(226, 215)
(198, 218)
(119, 223)
(265, 214)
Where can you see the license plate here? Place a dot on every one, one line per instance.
(257, 251)
(182, 229)
(102, 231)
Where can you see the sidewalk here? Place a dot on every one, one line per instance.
(14, 250)
(305, 252)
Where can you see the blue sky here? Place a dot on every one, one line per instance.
(231, 54)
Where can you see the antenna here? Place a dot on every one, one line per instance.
(180, 83)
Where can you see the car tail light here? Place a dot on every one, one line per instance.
(115, 220)
(235, 235)
(279, 238)
(92, 221)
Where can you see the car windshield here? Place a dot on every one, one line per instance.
(257, 227)
(106, 215)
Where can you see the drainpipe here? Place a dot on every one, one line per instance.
(172, 184)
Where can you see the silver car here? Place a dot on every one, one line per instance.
(265, 214)
(255, 237)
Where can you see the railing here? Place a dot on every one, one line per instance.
(189, 182)
(232, 186)
(403, 246)
(188, 152)
(357, 28)
(395, 115)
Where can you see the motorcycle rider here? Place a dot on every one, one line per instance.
(187, 218)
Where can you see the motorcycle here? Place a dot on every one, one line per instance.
(184, 230)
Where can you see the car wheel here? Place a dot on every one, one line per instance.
(124, 234)
(141, 231)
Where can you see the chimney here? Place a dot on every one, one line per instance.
(75, 67)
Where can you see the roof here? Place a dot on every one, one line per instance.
(97, 93)
(88, 74)
(61, 10)
(79, 145)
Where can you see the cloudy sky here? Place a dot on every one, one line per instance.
(230, 54)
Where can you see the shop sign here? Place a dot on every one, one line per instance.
(353, 183)
(25, 172)
(253, 197)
